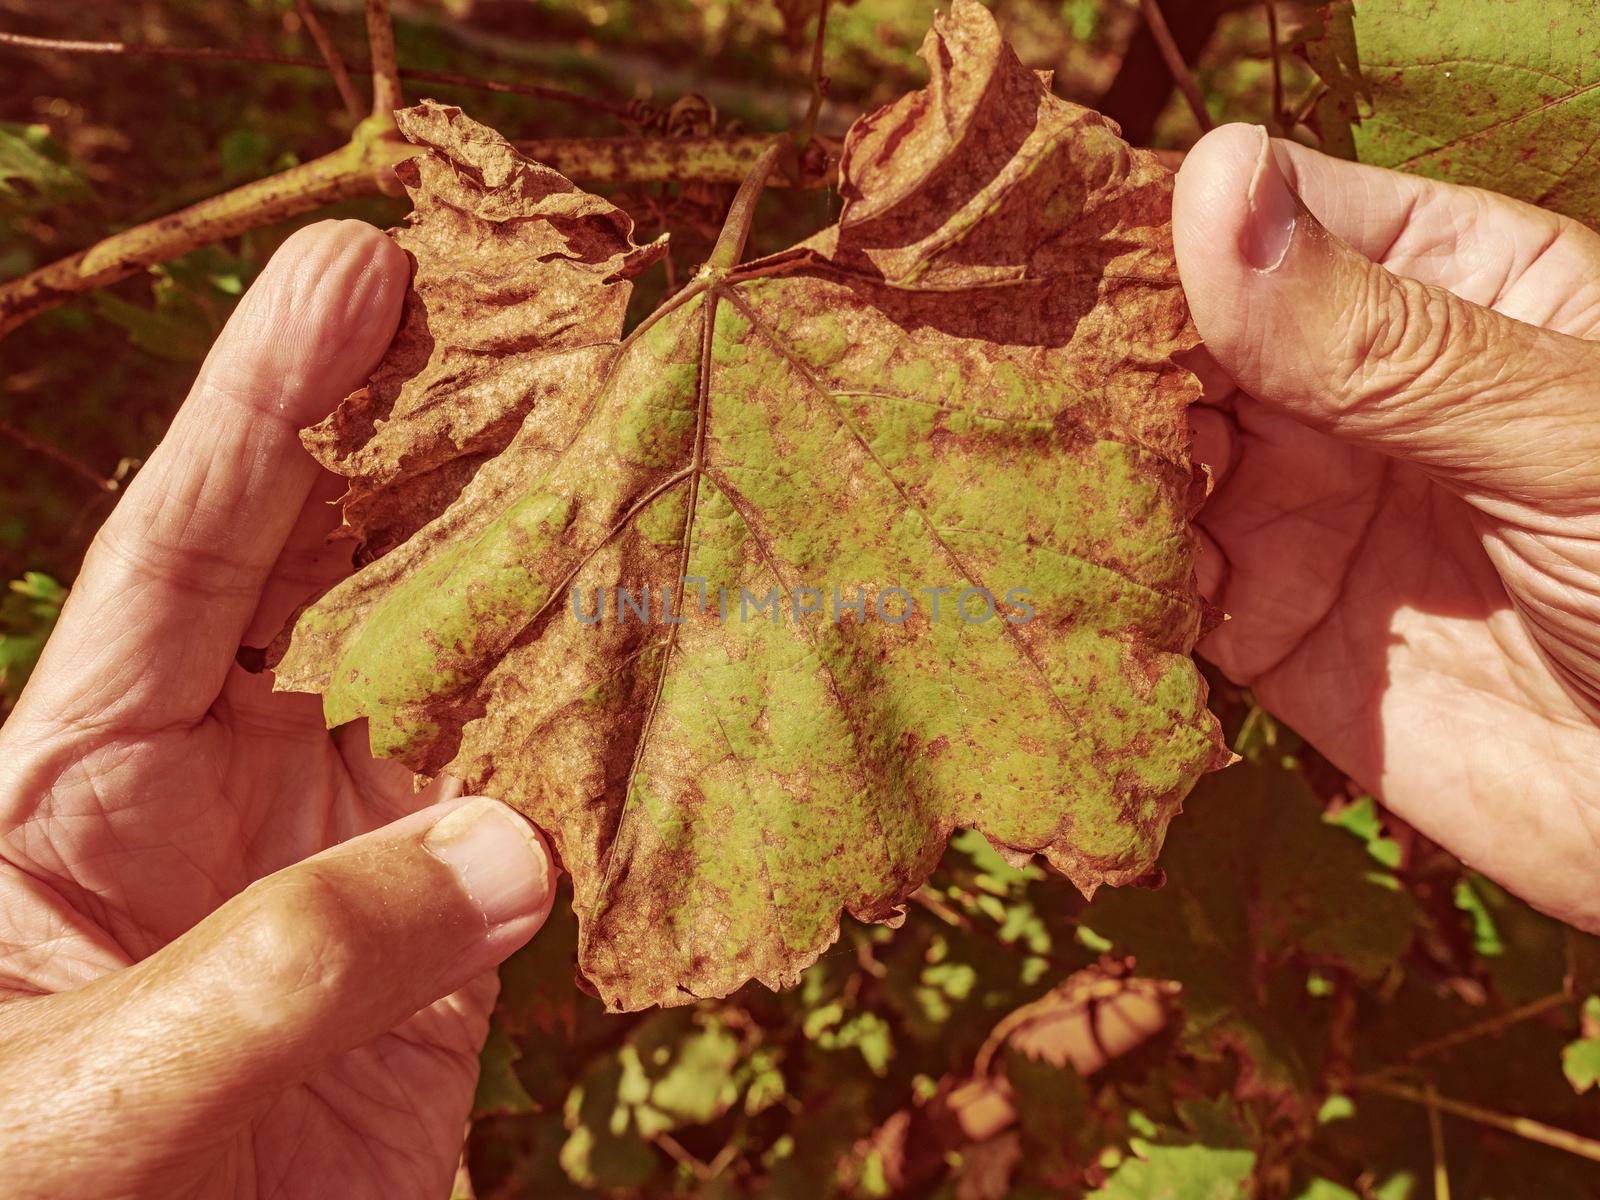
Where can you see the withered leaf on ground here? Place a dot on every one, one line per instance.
(967, 383)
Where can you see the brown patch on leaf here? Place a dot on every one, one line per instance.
(518, 284)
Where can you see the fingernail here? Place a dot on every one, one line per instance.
(496, 858)
(1270, 222)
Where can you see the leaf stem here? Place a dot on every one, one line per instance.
(818, 85)
(330, 57)
(1173, 57)
(1523, 1127)
(725, 255)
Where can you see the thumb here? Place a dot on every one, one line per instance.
(313, 961)
(1306, 324)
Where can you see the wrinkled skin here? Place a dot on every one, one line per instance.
(163, 1030)
(1406, 524)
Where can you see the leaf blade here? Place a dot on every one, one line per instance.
(871, 413)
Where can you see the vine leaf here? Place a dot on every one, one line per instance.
(966, 384)
(1211, 1163)
(1496, 95)
(1262, 892)
(33, 175)
(1580, 1059)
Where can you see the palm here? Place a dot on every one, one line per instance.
(145, 782)
(151, 831)
(1378, 613)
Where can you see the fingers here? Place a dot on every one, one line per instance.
(328, 954)
(1516, 258)
(174, 575)
(305, 965)
(309, 563)
(1495, 408)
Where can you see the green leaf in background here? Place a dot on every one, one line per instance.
(1524, 951)
(1363, 818)
(191, 299)
(675, 1069)
(1210, 1161)
(1259, 888)
(33, 173)
(604, 1148)
(500, 1092)
(1397, 1187)
(1325, 1189)
(28, 613)
(1499, 94)
(1580, 1061)
(865, 1032)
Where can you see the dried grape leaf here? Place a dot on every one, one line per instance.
(517, 288)
(1490, 93)
(966, 383)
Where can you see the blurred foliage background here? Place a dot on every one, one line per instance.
(1317, 1004)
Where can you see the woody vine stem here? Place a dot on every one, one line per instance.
(363, 166)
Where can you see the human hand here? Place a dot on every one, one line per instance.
(1405, 530)
(237, 955)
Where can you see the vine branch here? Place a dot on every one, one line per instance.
(1494, 1024)
(330, 56)
(61, 458)
(1441, 1169)
(214, 54)
(1523, 1127)
(363, 168)
(352, 170)
(386, 95)
(1273, 39)
(819, 84)
(715, 158)
(1173, 57)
